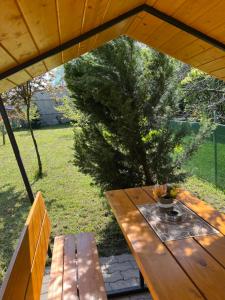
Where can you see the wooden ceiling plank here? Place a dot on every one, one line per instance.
(7, 61)
(5, 85)
(53, 61)
(148, 24)
(70, 15)
(70, 53)
(36, 69)
(19, 77)
(43, 24)
(209, 55)
(119, 7)
(219, 73)
(189, 13)
(14, 35)
(134, 24)
(112, 32)
(93, 17)
(213, 65)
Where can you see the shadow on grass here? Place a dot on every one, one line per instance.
(112, 241)
(14, 207)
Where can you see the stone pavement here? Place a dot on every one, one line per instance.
(118, 271)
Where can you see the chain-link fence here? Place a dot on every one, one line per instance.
(209, 161)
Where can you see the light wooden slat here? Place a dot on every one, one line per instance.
(34, 222)
(90, 279)
(219, 73)
(119, 7)
(36, 69)
(154, 260)
(191, 13)
(53, 61)
(211, 54)
(19, 77)
(215, 245)
(15, 281)
(32, 248)
(207, 274)
(204, 210)
(112, 32)
(93, 16)
(14, 35)
(56, 275)
(147, 25)
(7, 61)
(38, 264)
(42, 20)
(70, 14)
(5, 85)
(70, 269)
(135, 23)
(213, 65)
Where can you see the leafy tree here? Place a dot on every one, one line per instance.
(20, 98)
(203, 95)
(126, 95)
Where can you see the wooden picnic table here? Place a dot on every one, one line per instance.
(191, 268)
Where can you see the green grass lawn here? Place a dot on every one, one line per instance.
(74, 204)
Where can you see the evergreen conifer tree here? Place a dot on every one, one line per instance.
(126, 95)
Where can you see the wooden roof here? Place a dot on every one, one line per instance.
(189, 30)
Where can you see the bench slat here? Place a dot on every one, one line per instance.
(70, 269)
(90, 279)
(56, 275)
(38, 265)
(34, 235)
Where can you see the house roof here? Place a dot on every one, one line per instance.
(37, 36)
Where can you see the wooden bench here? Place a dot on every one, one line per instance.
(75, 270)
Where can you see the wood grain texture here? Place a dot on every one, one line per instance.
(24, 276)
(202, 268)
(204, 210)
(55, 290)
(30, 27)
(153, 258)
(70, 280)
(90, 279)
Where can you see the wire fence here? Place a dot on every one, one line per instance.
(208, 162)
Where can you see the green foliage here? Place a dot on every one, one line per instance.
(126, 95)
(66, 107)
(203, 95)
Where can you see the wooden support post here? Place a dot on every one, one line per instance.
(16, 150)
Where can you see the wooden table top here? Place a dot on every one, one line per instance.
(191, 268)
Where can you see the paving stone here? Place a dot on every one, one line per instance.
(120, 267)
(132, 273)
(125, 257)
(145, 296)
(108, 287)
(113, 277)
(121, 284)
(109, 260)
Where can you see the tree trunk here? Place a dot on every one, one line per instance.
(40, 173)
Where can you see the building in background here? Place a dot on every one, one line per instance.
(47, 110)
